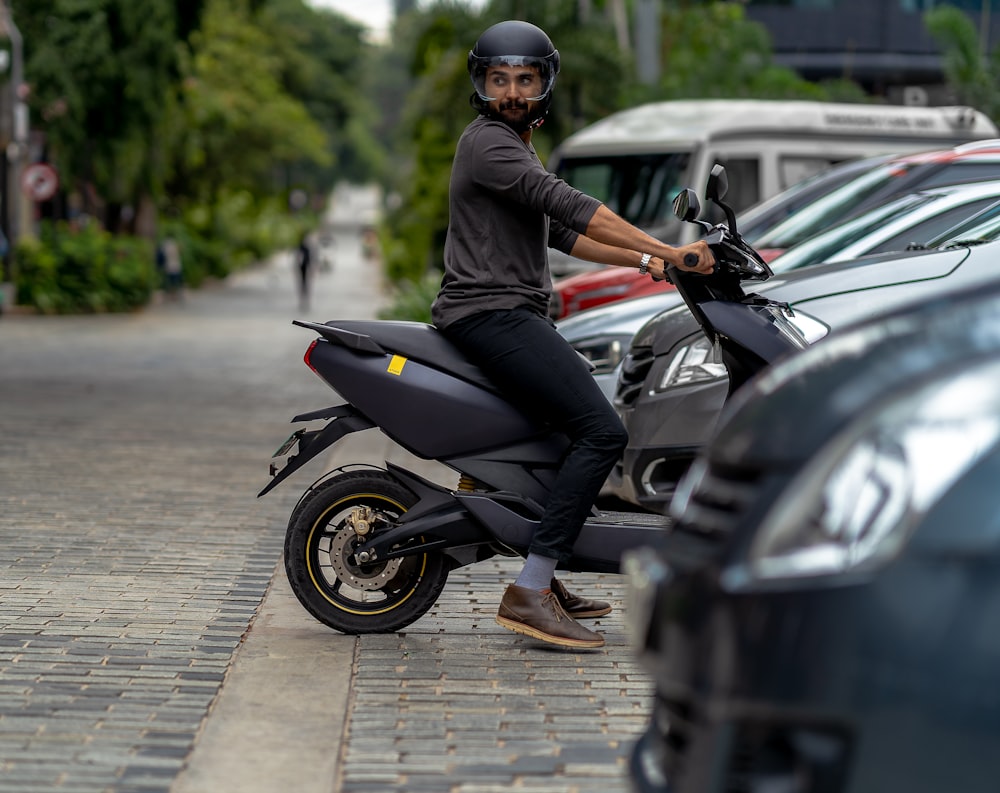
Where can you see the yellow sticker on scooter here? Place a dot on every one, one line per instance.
(396, 364)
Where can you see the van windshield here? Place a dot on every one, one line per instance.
(639, 187)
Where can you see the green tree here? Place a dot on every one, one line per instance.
(98, 72)
(153, 103)
(973, 75)
(326, 64)
(434, 114)
(712, 50)
(239, 123)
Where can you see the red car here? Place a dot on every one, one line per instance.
(801, 211)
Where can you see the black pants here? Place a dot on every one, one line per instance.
(540, 372)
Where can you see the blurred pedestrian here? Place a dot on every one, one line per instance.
(304, 260)
(369, 244)
(168, 259)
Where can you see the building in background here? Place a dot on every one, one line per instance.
(882, 45)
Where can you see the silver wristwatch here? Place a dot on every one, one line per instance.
(644, 263)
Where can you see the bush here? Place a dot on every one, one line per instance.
(73, 270)
(413, 300)
(131, 279)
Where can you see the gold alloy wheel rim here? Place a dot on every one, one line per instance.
(322, 588)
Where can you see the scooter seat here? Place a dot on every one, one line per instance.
(419, 342)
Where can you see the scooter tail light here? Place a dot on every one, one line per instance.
(308, 356)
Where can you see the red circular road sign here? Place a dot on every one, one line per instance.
(39, 181)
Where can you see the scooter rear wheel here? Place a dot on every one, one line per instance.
(326, 577)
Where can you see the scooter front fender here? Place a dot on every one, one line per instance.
(344, 420)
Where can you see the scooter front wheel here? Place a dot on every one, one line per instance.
(323, 532)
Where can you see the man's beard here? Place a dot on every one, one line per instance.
(516, 114)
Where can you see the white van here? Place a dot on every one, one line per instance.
(637, 160)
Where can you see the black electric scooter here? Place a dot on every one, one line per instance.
(368, 550)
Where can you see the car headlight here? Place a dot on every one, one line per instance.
(856, 502)
(604, 352)
(695, 360)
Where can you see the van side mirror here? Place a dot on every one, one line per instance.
(687, 207)
(718, 184)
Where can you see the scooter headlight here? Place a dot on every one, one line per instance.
(698, 360)
(856, 502)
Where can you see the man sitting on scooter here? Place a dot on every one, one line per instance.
(505, 211)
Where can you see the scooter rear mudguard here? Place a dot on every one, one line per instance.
(429, 412)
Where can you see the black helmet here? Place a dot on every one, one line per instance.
(514, 43)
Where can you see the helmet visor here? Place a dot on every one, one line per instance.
(495, 77)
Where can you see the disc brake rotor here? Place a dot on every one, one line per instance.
(370, 577)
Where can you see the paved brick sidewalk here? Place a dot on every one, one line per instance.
(135, 560)
(460, 704)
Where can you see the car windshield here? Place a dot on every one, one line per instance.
(822, 246)
(639, 187)
(821, 214)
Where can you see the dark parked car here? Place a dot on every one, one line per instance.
(836, 630)
(672, 384)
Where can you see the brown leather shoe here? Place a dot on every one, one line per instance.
(539, 615)
(576, 606)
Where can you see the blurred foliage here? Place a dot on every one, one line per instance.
(208, 112)
(432, 120)
(233, 102)
(972, 75)
(98, 72)
(714, 52)
(413, 299)
(71, 269)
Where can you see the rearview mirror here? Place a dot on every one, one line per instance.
(718, 183)
(687, 207)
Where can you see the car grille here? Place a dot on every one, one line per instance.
(790, 757)
(720, 497)
(672, 721)
(758, 755)
(635, 367)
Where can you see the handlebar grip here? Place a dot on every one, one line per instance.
(690, 259)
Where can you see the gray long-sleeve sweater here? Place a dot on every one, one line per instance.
(505, 211)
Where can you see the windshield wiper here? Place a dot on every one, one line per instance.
(967, 243)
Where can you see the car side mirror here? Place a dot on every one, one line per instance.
(687, 207)
(718, 184)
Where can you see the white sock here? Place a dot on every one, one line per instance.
(537, 572)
